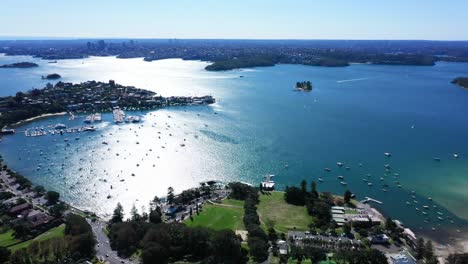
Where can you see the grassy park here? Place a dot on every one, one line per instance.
(272, 207)
(227, 215)
(285, 216)
(52, 233)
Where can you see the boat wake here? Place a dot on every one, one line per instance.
(353, 80)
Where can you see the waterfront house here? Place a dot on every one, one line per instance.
(379, 239)
(18, 209)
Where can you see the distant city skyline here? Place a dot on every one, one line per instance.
(241, 19)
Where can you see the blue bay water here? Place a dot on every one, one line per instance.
(261, 126)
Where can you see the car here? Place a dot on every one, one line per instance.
(107, 255)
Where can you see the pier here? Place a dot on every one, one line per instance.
(368, 199)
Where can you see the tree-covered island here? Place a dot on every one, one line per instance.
(52, 76)
(461, 81)
(305, 86)
(23, 64)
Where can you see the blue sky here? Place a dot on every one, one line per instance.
(247, 19)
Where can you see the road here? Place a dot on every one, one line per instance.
(103, 248)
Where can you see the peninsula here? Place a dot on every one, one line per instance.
(461, 81)
(86, 97)
(52, 76)
(23, 64)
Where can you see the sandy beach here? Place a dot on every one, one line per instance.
(37, 117)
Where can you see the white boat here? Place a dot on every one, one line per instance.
(388, 154)
(89, 128)
(340, 177)
(320, 179)
(119, 115)
(343, 183)
(340, 164)
(60, 126)
(97, 117)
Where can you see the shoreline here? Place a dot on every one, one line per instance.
(22, 122)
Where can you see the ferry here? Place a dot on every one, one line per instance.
(6, 131)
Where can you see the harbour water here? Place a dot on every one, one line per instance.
(259, 126)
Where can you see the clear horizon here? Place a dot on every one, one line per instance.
(210, 19)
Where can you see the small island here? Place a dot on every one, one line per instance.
(461, 81)
(305, 86)
(52, 76)
(23, 64)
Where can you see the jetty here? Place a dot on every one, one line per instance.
(368, 199)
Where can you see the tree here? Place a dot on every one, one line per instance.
(39, 189)
(170, 195)
(390, 225)
(420, 248)
(118, 214)
(294, 195)
(134, 214)
(304, 186)
(428, 250)
(154, 253)
(313, 190)
(155, 216)
(347, 196)
(347, 228)
(57, 210)
(52, 197)
(154, 203)
(457, 258)
(4, 254)
(258, 248)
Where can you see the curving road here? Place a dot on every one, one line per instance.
(103, 249)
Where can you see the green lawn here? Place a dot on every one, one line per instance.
(220, 217)
(52, 233)
(233, 202)
(285, 216)
(7, 239)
